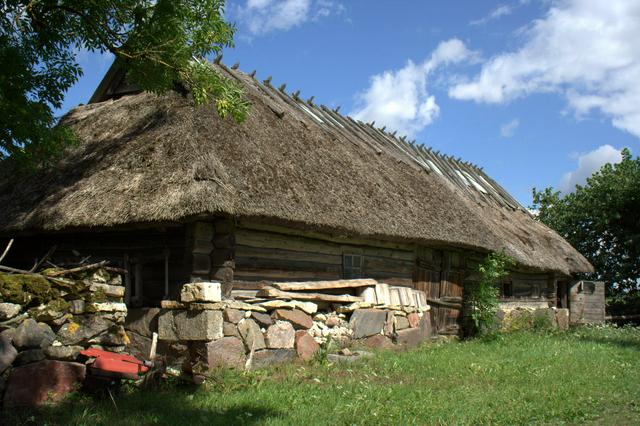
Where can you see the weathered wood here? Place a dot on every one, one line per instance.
(325, 237)
(78, 269)
(285, 265)
(6, 250)
(271, 275)
(322, 285)
(270, 253)
(439, 302)
(335, 298)
(381, 264)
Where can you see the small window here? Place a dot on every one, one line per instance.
(352, 266)
(506, 289)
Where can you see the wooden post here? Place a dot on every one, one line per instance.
(127, 280)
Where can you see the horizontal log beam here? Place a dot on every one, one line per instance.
(323, 285)
(335, 298)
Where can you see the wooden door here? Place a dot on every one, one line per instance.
(444, 288)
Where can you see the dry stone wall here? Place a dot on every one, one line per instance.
(232, 333)
(46, 319)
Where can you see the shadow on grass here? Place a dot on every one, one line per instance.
(169, 406)
(624, 342)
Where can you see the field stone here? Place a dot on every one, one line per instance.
(378, 341)
(332, 321)
(31, 334)
(367, 322)
(297, 318)
(226, 352)
(280, 335)
(109, 290)
(9, 310)
(77, 307)
(306, 346)
(251, 334)
(233, 315)
(201, 292)
(562, 318)
(264, 320)
(81, 329)
(230, 329)
(42, 382)
(8, 353)
(143, 321)
(412, 337)
(28, 356)
(401, 323)
(269, 357)
(175, 325)
(63, 353)
(414, 320)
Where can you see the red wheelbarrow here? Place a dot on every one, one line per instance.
(113, 366)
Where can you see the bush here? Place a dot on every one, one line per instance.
(482, 298)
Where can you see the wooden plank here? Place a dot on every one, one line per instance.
(325, 237)
(336, 298)
(256, 263)
(270, 253)
(441, 303)
(322, 285)
(381, 264)
(272, 275)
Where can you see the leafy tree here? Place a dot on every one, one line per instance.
(158, 41)
(602, 221)
(483, 297)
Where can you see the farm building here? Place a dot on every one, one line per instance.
(298, 192)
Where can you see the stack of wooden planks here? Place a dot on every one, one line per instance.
(367, 291)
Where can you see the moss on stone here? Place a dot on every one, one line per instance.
(26, 289)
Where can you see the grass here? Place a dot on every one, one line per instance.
(587, 375)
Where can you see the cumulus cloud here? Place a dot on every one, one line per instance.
(587, 165)
(399, 99)
(588, 51)
(507, 130)
(498, 12)
(265, 16)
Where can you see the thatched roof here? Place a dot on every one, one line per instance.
(158, 159)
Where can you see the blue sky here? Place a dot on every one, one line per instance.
(538, 92)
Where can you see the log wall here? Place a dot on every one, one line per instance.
(276, 254)
(587, 302)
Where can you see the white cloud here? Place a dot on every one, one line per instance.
(400, 99)
(586, 50)
(587, 165)
(265, 16)
(507, 130)
(498, 12)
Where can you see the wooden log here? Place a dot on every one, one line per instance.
(334, 298)
(272, 275)
(438, 302)
(256, 263)
(6, 250)
(323, 285)
(248, 251)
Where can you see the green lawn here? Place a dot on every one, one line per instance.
(587, 375)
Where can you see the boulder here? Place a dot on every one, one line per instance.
(251, 334)
(174, 325)
(226, 352)
(269, 357)
(31, 334)
(306, 346)
(367, 322)
(42, 382)
(9, 310)
(297, 318)
(233, 315)
(143, 321)
(263, 320)
(29, 356)
(7, 352)
(280, 335)
(62, 353)
(201, 292)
